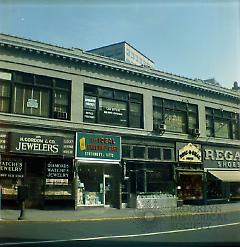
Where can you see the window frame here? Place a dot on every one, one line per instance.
(214, 116)
(162, 106)
(130, 98)
(36, 83)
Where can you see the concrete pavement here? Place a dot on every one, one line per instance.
(96, 214)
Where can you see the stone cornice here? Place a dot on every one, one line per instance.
(79, 56)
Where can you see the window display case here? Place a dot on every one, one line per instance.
(57, 188)
(9, 188)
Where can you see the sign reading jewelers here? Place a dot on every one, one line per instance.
(220, 157)
(98, 147)
(35, 144)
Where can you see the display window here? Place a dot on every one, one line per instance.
(190, 186)
(214, 187)
(9, 187)
(90, 186)
(235, 190)
(159, 181)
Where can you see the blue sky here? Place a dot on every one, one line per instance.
(196, 39)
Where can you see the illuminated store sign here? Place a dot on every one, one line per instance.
(190, 153)
(98, 147)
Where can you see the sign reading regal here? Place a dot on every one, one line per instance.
(190, 153)
(98, 147)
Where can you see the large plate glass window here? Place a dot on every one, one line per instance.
(178, 116)
(35, 95)
(222, 124)
(112, 107)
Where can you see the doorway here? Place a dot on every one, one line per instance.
(108, 190)
(35, 180)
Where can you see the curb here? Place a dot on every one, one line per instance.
(156, 216)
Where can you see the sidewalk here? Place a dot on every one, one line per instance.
(96, 214)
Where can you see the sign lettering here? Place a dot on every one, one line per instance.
(221, 157)
(28, 143)
(11, 167)
(99, 147)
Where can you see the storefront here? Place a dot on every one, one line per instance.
(43, 163)
(189, 173)
(97, 159)
(222, 173)
(148, 174)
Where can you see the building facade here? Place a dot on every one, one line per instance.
(125, 52)
(83, 130)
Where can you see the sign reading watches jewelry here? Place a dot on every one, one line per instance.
(35, 144)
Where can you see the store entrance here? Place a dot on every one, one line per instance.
(190, 187)
(35, 181)
(108, 190)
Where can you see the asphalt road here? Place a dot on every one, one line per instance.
(197, 230)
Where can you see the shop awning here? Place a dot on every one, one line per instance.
(227, 176)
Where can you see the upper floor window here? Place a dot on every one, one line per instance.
(35, 95)
(113, 107)
(178, 116)
(222, 124)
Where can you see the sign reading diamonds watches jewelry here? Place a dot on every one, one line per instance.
(35, 144)
(98, 147)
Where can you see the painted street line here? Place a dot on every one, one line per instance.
(118, 236)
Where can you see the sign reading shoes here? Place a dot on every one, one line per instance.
(98, 147)
(35, 144)
(190, 153)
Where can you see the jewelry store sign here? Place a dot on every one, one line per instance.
(35, 144)
(57, 172)
(3, 141)
(11, 167)
(98, 147)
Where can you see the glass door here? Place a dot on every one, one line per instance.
(108, 190)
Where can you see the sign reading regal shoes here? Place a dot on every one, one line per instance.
(98, 147)
(35, 144)
(221, 157)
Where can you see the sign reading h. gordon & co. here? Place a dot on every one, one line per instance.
(35, 144)
(98, 147)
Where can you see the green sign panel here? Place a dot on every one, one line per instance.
(98, 147)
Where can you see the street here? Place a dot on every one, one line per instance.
(201, 230)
